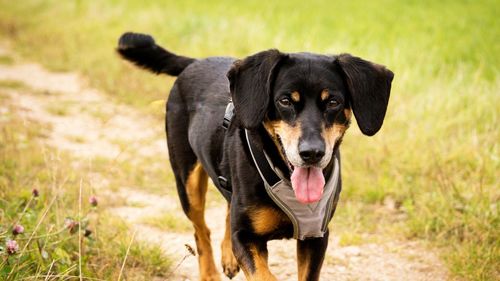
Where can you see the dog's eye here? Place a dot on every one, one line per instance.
(285, 102)
(332, 103)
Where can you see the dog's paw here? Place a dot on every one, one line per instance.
(229, 264)
(231, 269)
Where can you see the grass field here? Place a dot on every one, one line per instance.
(64, 236)
(437, 155)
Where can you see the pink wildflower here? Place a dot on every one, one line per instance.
(71, 225)
(17, 229)
(93, 200)
(35, 192)
(12, 247)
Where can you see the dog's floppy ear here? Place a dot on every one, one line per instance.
(250, 82)
(369, 86)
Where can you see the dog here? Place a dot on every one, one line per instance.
(293, 107)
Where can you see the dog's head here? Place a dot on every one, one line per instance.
(305, 102)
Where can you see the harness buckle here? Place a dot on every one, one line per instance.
(228, 115)
(223, 182)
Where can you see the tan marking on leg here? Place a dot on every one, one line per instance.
(303, 266)
(262, 272)
(325, 95)
(266, 220)
(310, 257)
(303, 262)
(196, 189)
(229, 262)
(295, 96)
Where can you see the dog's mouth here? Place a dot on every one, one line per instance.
(308, 182)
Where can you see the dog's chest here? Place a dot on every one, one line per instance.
(266, 220)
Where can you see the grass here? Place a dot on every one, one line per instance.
(169, 222)
(6, 60)
(58, 109)
(145, 172)
(437, 155)
(53, 245)
(12, 84)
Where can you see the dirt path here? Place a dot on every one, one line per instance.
(88, 124)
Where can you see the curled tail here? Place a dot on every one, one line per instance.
(142, 50)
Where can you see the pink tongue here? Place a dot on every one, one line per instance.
(308, 184)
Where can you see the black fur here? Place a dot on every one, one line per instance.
(369, 86)
(258, 85)
(250, 82)
(142, 50)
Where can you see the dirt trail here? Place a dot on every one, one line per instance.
(89, 124)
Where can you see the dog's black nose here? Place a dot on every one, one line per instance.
(311, 151)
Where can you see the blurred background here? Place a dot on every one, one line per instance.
(80, 126)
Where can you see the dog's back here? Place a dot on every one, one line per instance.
(203, 104)
(196, 104)
(194, 114)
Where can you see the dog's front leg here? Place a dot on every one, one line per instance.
(252, 256)
(310, 256)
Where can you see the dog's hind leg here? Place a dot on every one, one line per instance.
(192, 195)
(191, 180)
(196, 189)
(229, 262)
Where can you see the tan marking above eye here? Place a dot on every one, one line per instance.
(325, 95)
(295, 96)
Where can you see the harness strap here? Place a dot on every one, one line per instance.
(224, 184)
(265, 170)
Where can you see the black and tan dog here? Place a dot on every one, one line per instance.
(295, 106)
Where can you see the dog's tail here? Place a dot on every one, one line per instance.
(142, 50)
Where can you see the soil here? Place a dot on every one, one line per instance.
(90, 125)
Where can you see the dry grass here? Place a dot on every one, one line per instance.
(54, 244)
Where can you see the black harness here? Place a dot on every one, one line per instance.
(268, 174)
(224, 184)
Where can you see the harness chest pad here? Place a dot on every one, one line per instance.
(309, 220)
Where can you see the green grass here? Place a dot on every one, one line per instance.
(437, 154)
(48, 249)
